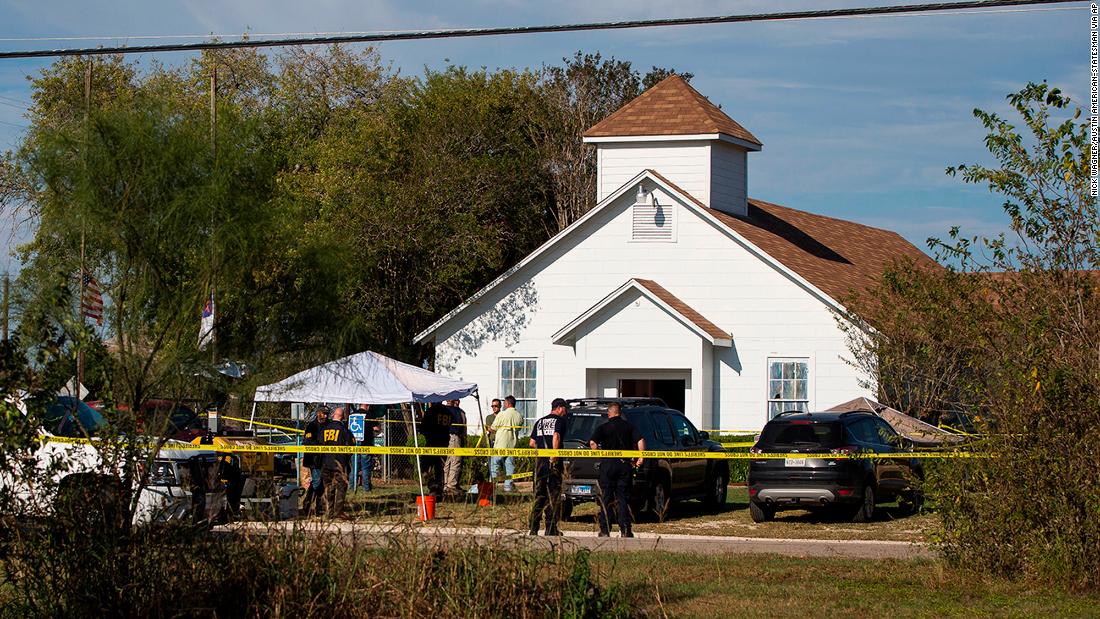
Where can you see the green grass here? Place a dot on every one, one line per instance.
(675, 585)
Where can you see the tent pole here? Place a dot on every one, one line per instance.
(253, 417)
(481, 420)
(419, 475)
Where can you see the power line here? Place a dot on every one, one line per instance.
(483, 32)
(14, 100)
(249, 35)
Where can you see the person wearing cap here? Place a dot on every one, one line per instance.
(616, 474)
(547, 433)
(313, 462)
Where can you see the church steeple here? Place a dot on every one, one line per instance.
(673, 129)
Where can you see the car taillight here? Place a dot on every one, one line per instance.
(844, 492)
(847, 450)
(753, 491)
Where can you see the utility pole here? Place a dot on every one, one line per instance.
(80, 301)
(214, 151)
(7, 285)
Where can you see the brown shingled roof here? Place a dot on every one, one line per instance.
(839, 257)
(684, 309)
(672, 107)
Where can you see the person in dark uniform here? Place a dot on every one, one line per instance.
(436, 426)
(616, 474)
(336, 466)
(547, 433)
(312, 462)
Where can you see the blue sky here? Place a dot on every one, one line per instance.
(859, 117)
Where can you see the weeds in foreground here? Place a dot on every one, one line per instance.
(54, 570)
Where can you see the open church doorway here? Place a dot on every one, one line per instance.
(672, 391)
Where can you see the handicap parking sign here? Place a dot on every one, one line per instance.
(357, 425)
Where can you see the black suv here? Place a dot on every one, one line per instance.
(657, 481)
(852, 484)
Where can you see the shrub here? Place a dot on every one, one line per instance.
(56, 570)
(1011, 336)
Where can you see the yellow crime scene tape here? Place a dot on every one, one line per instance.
(532, 453)
(265, 425)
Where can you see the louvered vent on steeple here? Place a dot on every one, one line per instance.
(652, 220)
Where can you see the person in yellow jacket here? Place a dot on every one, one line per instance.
(505, 428)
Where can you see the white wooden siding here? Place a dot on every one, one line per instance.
(687, 164)
(728, 178)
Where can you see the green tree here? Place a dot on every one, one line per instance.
(1011, 335)
(430, 193)
(581, 92)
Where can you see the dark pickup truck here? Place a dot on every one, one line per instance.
(658, 481)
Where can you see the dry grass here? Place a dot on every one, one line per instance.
(395, 504)
(677, 585)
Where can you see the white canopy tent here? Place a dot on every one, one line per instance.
(367, 378)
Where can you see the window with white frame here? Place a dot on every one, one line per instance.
(788, 385)
(519, 378)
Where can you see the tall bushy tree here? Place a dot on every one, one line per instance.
(581, 92)
(161, 219)
(349, 206)
(430, 195)
(1011, 335)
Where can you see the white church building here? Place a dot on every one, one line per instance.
(675, 285)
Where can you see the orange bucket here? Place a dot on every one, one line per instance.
(484, 493)
(425, 508)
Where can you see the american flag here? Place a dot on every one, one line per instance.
(91, 299)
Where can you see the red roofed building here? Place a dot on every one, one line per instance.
(675, 285)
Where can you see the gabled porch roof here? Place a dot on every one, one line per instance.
(660, 297)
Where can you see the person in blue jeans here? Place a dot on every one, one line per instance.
(315, 496)
(505, 426)
(371, 427)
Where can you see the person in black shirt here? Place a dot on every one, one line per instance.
(436, 426)
(547, 433)
(336, 465)
(616, 473)
(312, 462)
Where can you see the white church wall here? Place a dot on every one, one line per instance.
(729, 178)
(767, 313)
(687, 164)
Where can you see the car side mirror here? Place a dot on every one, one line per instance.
(704, 436)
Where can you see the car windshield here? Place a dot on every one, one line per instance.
(579, 427)
(171, 418)
(68, 416)
(801, 433)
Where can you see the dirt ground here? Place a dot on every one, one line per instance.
(396, 503)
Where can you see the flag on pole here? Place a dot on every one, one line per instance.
(91, 299)
(206, 325)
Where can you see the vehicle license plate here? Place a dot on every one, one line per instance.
(582, 489)
(794, 462)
